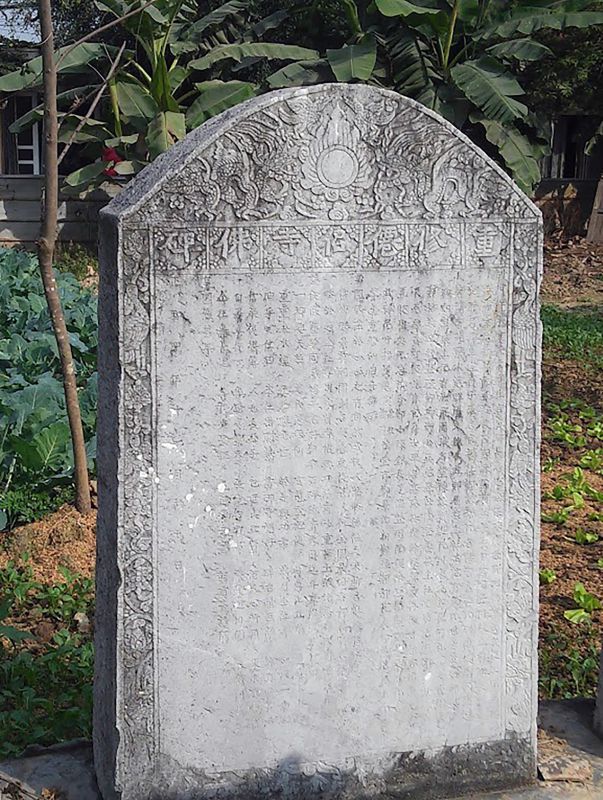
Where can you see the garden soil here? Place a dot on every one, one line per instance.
(65, 538)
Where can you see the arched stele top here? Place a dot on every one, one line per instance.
(334, 152)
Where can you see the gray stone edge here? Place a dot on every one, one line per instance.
(107, 630)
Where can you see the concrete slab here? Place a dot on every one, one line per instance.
(69, 768)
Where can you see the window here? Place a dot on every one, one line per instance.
(568, 159)
(21, 151)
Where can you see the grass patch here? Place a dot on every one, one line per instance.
(28, 504)
(574, 334)
(571, 547)
(77, 259)
(569, 666)
(46, 659)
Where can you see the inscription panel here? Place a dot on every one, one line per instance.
(346, 466)
(333, 247)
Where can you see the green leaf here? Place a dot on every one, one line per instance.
(447, 101)
(531, 23)
(354, 61)
(164, 130)
(14, 634)
(85, 174)
(37, 113)
(413, 68)
(155, 14)
(128, 167)
(584, 599)
(135, 103)
(3, 519)
(577, 615)
(469, 11)
(519, 154)
(50, 444)
(186, 38)
(161, 89)
(46, 450)
(402, 8)
(237, 52)
(216, 96)
(547, 576)
(5, 607)
(91, 131)
(115, 141)
(521, 50)
(27, 120)
(586, 537)
(490, 87)
(77, 59)
(269, 23)
(177, 76)
(217, 17)
(300, 73)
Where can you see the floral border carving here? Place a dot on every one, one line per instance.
(137, 692)
(521, 542)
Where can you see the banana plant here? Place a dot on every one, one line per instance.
(467, 64)
(461, 58)
(170, 79)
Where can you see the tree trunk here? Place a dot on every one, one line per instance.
(46, 246)
(595, 222)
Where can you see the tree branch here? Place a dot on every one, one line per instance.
(104, 28)
(93, 104)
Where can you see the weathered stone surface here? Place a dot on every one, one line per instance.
(318, 460)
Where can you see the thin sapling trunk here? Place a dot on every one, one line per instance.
(46, 248)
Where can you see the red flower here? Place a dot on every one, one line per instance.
(111, 154)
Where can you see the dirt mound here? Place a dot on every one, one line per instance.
(63, 539)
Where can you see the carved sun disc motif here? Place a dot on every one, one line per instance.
(337, 167)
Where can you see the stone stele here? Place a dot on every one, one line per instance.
(318, 440)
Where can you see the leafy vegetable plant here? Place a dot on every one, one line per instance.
(558, 517)
(9, 632)
(547, 576)
(586, 537)
(35, 445)
(586, 603)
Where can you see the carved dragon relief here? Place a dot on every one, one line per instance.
(317, 159)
